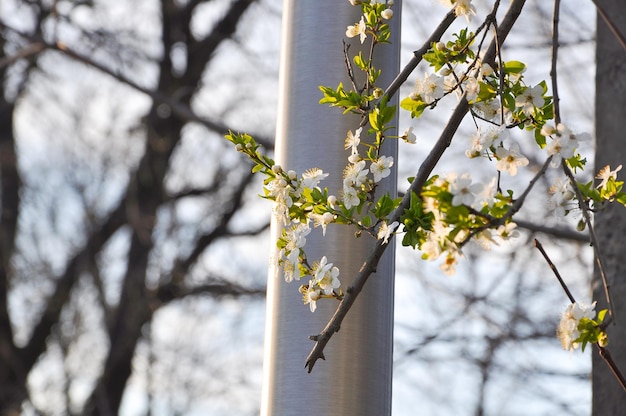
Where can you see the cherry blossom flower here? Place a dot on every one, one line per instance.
(560, 194)
(322, 220)
(563, 142)
(310, 295)
(482, 140)
(353, 140)
(471, 88)
(325, 276)
(567, 331)
(607, 174)
(461, 8)
(463, 191)
(381, 167)
(385, 231)
(509, 160)
(355, 174)
(295, 238)
(429, 89)
(529, 99)
(488, 109)
(408, 136)
(280, 191)
(358, 29)
(312, 177)
(507, 231)
(350, 197)
(448, 266)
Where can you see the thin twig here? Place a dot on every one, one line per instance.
(608, 359)
(555, 271)
(594, 240)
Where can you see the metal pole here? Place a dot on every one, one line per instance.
(355, 378)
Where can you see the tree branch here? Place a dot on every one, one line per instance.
(369, 266)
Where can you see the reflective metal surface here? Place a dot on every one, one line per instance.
(355, 378)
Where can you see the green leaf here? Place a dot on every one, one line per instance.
(416, 108)
(514, 67)
(366, 221)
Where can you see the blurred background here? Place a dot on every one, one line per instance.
(134, 247)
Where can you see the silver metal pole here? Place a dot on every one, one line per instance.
(355, 378)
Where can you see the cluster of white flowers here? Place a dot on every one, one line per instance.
(324, 280)
(567, 331)
(355, 174)
(429, 89)
(360, 28)
(464, 192)
(561, 197)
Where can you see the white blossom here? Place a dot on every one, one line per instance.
(385, 231)
(567, 331)
(408, 136)
(312, 177)
(326, 276)
(509, 160)
(507, 231)
(353, 140)
(381, 167)
(355, 174)
(607, 174)
(429, 89)
(529, 99)
(322, 220)
(350, 197)
(463, 191)
(358, 29)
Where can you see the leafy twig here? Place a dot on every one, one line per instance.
(426, 168)
(602, 351)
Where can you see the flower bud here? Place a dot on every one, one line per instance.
(440, 46)
(332, 200)
(386, 14)
(239, 147)
(378, 92)
(277, 169)
(292, 174)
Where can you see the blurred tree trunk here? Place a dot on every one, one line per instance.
(138, 209)
(608, 397)
(12, 372)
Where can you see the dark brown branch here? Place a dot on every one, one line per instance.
(555, 271)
